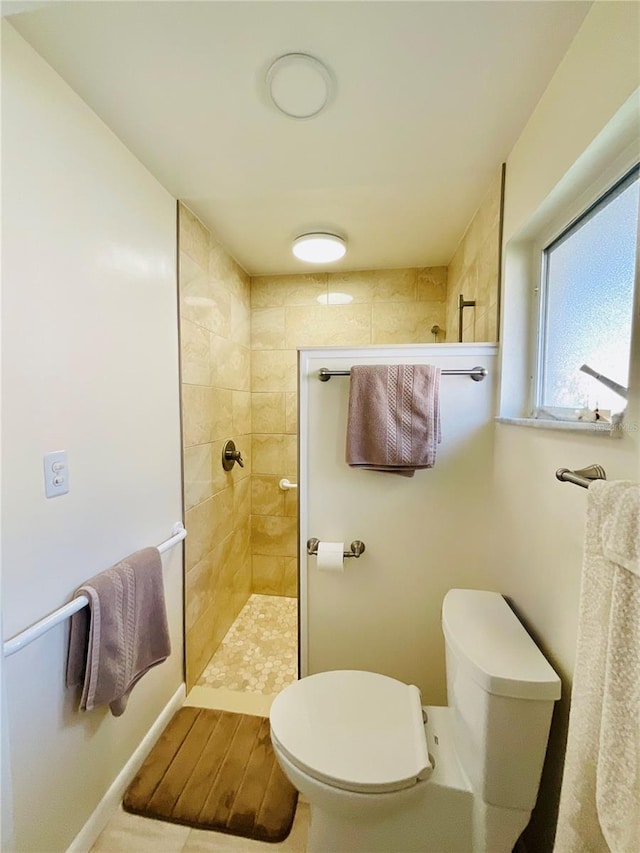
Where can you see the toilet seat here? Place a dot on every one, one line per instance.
(359, 731)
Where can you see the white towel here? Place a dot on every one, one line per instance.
(600, 798)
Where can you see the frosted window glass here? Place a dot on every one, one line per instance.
(589, 301)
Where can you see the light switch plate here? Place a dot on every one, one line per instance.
(56, 473)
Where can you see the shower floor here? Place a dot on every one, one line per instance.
(259, 653)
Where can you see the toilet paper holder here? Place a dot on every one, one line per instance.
(357, 548)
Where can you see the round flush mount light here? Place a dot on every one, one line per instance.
(299, 85)
(319, 248)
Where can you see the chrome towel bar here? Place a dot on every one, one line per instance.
(475, 373)
(19, 641)
(583, 476)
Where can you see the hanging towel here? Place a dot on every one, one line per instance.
(121, 634)
(600, 798)
(394, 417)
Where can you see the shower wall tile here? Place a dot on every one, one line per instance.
(327, 325)
(267, 328)
(215, 309)
(269, 574)
(291, 576)
(274, 370)
(291, 413)
(269, 454)
(268, 412)
(241, 411)
(375, 285)
(274, 536)
(280, 290)
(198, 480)
(195, 345)
(397, 323)
(474, 272)
(196, 414)
(431, 284)
(267, 498)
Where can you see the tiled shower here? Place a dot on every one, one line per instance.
(239, 336)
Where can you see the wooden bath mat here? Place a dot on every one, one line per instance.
(215, 770)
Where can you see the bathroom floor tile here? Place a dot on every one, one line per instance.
(127, 832)
(260, 651)
(201, 841)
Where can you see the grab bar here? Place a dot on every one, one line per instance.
(19, 641)
(475, 373)
(285, 485)
(583, 476)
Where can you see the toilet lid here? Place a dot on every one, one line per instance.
(355, 730)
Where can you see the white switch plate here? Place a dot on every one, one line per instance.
(56, 473)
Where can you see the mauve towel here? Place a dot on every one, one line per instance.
(121, 634)
(394, 417)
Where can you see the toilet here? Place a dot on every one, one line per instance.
(384, 774)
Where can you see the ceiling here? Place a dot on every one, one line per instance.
(430, 97)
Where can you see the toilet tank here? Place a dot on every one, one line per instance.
(501, 691)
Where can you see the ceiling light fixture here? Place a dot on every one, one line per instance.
(299, 85)
(319, 248)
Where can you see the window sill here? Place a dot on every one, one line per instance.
(593, 428)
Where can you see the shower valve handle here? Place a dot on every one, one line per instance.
(230, 456)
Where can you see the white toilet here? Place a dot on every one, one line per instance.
(378, 778)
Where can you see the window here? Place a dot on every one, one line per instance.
(586, 306)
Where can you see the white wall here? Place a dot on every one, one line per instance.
(538, 521)
(423, 535)
(90, 364)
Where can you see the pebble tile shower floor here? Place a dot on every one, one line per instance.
(260, 651)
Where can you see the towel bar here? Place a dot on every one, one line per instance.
(583, 476)
(19, 641)
(475, 373)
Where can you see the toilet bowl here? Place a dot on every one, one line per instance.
(381, 777)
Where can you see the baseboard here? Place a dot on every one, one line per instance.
(87, 836)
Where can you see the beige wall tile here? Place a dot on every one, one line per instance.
(291, 503)
(198, 485)
(222, 521)
(268, 574)
(328, 325)
(193, 237)
(269, 454)
(203, 301)
(267, 498)
(196, 414)
(241, 406)
(267, 328)
(241, 502)
(195, 347)
(221, 418)
(279, 290)
(291, 456)
(431, 284)
(291, 412)
(199, 587)
(198, 521)
(230, 364)
(201, 644)
(268, 412)
(396, 323)
(240, 321)
(274, 370)
(397, 285)
(274, 535)
(291, 576)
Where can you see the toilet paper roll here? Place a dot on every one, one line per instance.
(331, 556)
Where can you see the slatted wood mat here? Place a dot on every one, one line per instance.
(215, 770)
